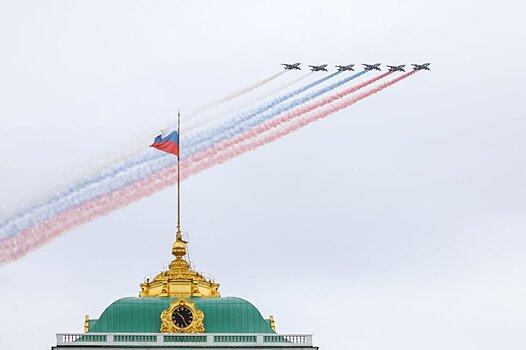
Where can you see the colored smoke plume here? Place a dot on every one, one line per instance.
(238, 93)
(33, 237)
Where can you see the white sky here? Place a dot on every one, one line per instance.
(398, 223)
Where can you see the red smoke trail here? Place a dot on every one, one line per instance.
(36, 236)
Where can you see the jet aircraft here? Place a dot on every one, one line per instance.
(399, 68)
(424, 66)
(347, 67)
(290, 66)
(322, 67)
(375, 66)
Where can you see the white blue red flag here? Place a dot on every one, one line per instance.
(168, 143)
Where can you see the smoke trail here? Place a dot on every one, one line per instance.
(35, 236)
(192, 124)
(238, 93)
(135, 168)
(283, 87)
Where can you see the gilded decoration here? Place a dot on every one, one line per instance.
(86, 323)
(179, 281)
(170, 316)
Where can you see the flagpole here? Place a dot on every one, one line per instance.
(179, 175)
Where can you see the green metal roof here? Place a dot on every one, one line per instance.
(91, 323)
(143, 315)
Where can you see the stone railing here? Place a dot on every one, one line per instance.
(184, 340)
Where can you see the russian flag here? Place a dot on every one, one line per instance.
(168, 143)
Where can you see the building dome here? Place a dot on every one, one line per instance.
(143, 315)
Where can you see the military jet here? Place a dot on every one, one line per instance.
(375, 66)
(347, 67)
(424, 66)
(290, 66)
(322, 67)
(399, 68)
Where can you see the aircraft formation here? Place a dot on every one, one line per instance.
(375, 66)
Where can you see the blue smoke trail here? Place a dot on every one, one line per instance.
(146, 163)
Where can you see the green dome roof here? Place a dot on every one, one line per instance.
(143, 315)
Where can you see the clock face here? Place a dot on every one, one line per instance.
(182, 316)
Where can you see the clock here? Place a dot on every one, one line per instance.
(182, 316)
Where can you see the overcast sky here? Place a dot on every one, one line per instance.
(398, 223)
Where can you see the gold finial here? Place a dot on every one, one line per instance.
(179, 247)
(86, 323)
(272, 323)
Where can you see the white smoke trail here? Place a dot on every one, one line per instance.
(193, 124)
(238, 93)
(283, 87)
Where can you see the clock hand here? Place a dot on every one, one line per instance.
(182, 318)
(177, 316)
